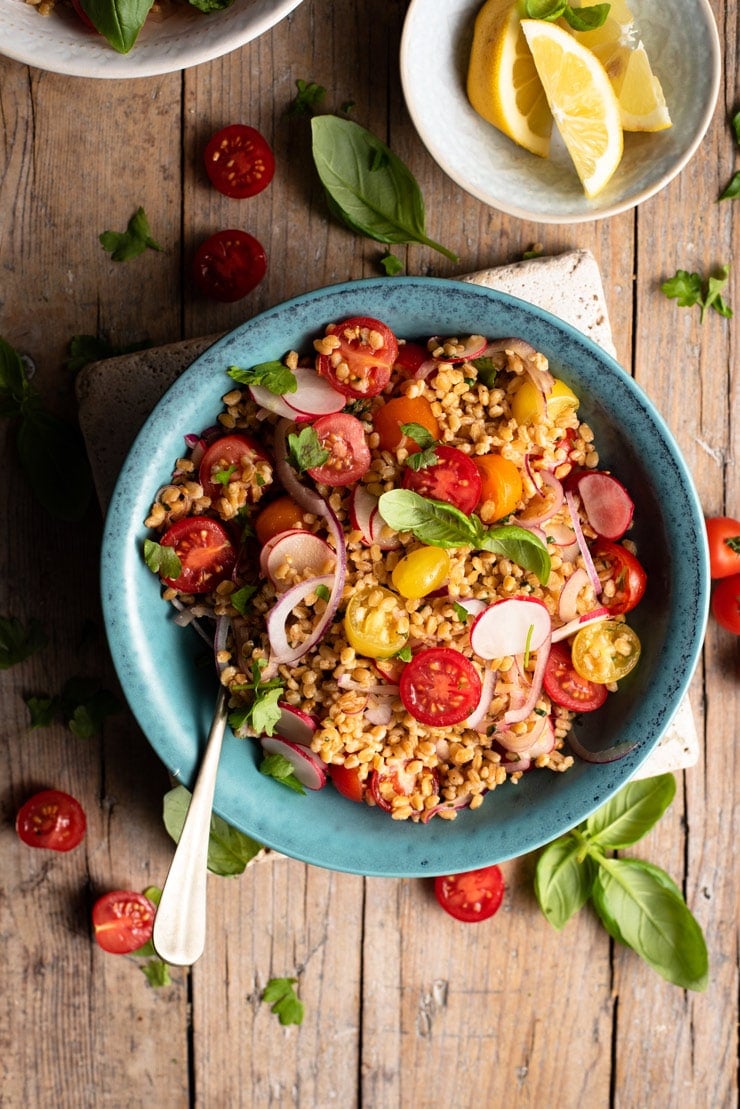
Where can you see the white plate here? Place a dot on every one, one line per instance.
(59, 42)
(682, 42)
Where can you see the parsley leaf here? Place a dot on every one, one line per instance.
(278, 767)
(305, 451)
(427, 455)
(124, 245)
(229, 850)
(391, 264)
(461, 612)
(284, 1000)
(308, 97)
(240, 598)
(688, 289)
(157, 973)
(273, 376)
(264, 712)
(18, 642)
(162, 560)
(323, 592)
(82, 705)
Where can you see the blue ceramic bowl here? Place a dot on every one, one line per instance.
(172, 696)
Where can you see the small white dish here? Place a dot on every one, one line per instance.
(684, 48)
(61, 44)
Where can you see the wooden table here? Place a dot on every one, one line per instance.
(403, 1005)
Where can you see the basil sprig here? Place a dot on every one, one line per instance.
(587, 18)
(442, 525)
(367, 186)
(637, 902)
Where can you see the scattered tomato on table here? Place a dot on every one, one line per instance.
(723, 534)
(123, 921)
(51, 819)
(473, 896)
(239, 161)
(726, 603)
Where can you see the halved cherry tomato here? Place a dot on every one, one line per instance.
(726, 603)
(229, 265)
(207, 555)
(239, 161)
(283, 514)
(225, 459)
(51, 819)
(348, 782)
(473, 896)
(123, 921)
(501, 485)
(394, 781)
(343, 436)
(83, 16)
(615, 563)
(439, 687)
(453, 478)
(723, 534)
(371, 622)
(565, 686)
(361, 363)
(409, 358)
(606, 651)
(403, 410)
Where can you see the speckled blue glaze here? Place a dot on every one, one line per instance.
(172, 698)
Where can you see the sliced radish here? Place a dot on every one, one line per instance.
(510, 627)
(579, 622)
(295, 725)
(270, 544)
(309, 769)
(271, 401)
(381, 533)
(315, 396)
(606, 503)
(568, 600)
(471, 347)
(362, 504)
(473, 605)
(303, 551)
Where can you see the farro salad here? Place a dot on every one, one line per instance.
(416, 572)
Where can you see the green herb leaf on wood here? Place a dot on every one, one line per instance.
(229, 850)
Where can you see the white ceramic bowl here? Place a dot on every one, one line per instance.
(60, 43)
(683, 45)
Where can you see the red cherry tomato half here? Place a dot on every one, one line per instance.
(440, 686)
(726, 603)
(123, 921)
(723, 534)
(229, 453)
(565, 686)
(83, 16)
(229, 265)
(627, 573)
(348, 782)
(207, 555)
(239, 161)
(51, 819)
(343, 436)
(473, 896)
(361, 363)
(409, 358)
(454, 478)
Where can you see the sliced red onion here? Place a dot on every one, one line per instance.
(543, 505)
(447, 806)
(428, 366)
(472, 347)
(281, 651)
(521, 744)
(608, 754)
(574, 626)
(379, 710)
(541, 379)
(582, 544)
(545, 742)
(378, 689)
(518, 767)
(568, 600)
(488, 685)
(521, 712)
(190, 616)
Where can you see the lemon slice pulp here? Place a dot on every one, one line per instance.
(502, 82)
(582, 101)
(618, 47)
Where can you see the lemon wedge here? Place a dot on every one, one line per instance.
(502, 82)
(582, 101)
(618, 47)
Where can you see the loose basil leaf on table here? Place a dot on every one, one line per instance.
(564, 880)
(229, 850)
(631, 813)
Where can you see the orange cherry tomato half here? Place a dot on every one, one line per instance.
(387, 422)
(501, 485)
(51, 819)
(282, 514)
(473, 896)
(123, 921)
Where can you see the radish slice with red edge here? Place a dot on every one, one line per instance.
(362, 504)
(568, 600)
(268, 546)
(582, 544)
(295, 725)
(510, 627)
(309, 769)
(579, 622)
(606, 503)
(271, 402)
(381, 533)
(315, 396)
(303, 551)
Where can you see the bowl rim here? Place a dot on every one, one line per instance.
(508, 205)
(419, 852)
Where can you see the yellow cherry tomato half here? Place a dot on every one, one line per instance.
(501, 487)
(421, 572)
(605, 652)
(528, 402)
(373, 623)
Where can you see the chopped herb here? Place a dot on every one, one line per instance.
(277, 766)
(732, 189)
(688, 289)
(308, 97)
(264, 712)
(391, 264)
(162, 560)
(240, 598)
(273, 376)
(305, 451)
(461, 612)
(157, 973)
(323, 592)
(223, 477)
(18, 641)
(284, 1001)
(404, 654)
(124, 245)
(487, 371)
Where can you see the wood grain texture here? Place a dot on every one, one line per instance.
(403, 1004)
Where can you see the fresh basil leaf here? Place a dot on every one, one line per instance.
(119, 21)
(162, 560)
(124, 245)
(278, 767)
(433, 522)
(14, 384)
(284, 1000)
(520, 546)
(229, 850)
(549, 10)
(19, 641)
(49, 446)
(420, 435)
(563, 879)
(305, 450)
(587, 18)
(273, 376)
(631, 812)
(646, 914)
(211, 5)
(368, 187)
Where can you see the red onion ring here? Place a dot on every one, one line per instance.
(567, 607)
(582, 545)
(608, 754)
(516, 715)
(488, 685)
(281, 651)
(520, 744)
(552, 500)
